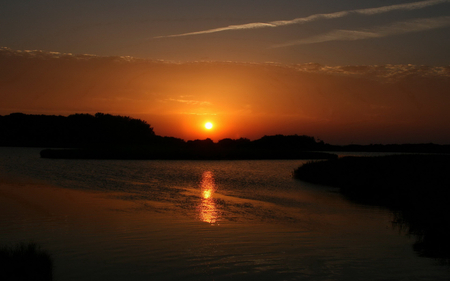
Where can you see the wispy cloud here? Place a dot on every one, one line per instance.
(368, 11)
(190, 102)
(385, 73)
(376, 32)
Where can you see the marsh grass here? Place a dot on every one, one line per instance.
(25, 261)
(415, 187)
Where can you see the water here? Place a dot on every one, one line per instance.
(197, 220)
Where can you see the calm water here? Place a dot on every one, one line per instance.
(197, 220)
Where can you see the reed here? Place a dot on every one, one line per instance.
(25, 261)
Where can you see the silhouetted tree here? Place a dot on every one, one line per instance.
(18, 129)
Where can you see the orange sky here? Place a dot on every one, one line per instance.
(339, 104)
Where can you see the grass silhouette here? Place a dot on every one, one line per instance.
(25, 261)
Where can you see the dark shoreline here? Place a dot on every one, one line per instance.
(416, 188)
(181, 153)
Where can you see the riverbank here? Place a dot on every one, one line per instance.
(415, 187)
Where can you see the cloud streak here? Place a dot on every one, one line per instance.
(376, 32)
(21, 60)
(189, 102)
(315, 17)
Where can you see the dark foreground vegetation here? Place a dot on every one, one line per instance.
(25, 262)
(415, 187)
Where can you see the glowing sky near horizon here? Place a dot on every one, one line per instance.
(343, 71)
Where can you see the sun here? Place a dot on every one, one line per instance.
(208, 125)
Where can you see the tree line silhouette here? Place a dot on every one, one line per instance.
(122, 137)
(75, 130)
(107, 136)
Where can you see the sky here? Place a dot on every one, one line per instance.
(343, 71)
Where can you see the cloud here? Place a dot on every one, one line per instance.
(189, 102)
(385, 73)
(368, 11)
(376, 32)
(45, 55)
(14, 59)
(230, 27)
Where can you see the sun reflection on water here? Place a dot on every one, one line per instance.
(207, 209)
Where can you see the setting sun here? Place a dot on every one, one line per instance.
(208, 125)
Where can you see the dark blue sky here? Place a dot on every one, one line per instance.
(367, 32)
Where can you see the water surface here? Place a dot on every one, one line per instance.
(197, 220)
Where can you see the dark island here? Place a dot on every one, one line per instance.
(415, 187)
